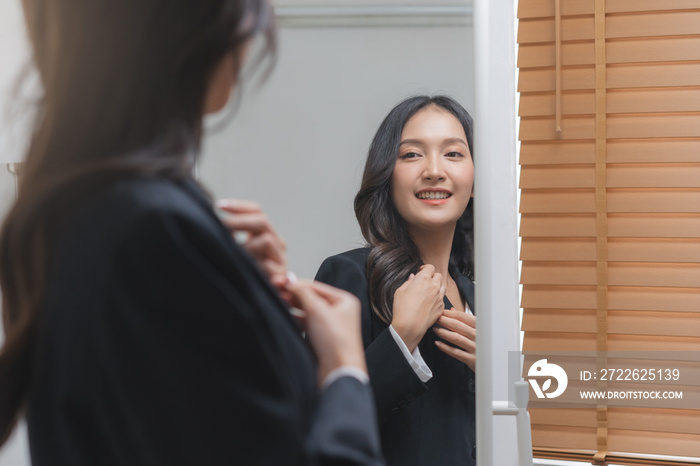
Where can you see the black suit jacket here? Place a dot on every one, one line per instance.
(421, 424)
(163, 344)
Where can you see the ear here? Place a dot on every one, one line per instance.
(221, 83)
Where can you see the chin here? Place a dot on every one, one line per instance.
(437, 224)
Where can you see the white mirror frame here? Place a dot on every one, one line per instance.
(496, 237)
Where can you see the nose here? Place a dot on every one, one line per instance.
(434, 170)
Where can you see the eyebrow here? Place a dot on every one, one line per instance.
(446, 141)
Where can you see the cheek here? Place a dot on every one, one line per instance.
(467, 176)
(401, 188)
(465, 179)
(398, 181)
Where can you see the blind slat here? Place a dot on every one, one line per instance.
(574, 438)
(619, 176)
(654, 250)
(628, 419)
(654, 323)
(669, 126)
(620, 298)
(685, 177)
(619, 274)
(627, 101)
(619, 322)
(619, 225)
(655, 299)
(620, 51)
(545, 8)
(557, 176)
(654, 175)
(619, 249)
(554, 341)
(542, 30)
(668, 420)
(559, 200)
(656, 24)
(654, 101)
(619, 151)
(619, 200)
(656, 443)
(618, 77)
(559, 320)
(539, 55)
(618, 127)
(569, 417)
(542, 129)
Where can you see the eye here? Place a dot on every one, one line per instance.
(409, 155)
(454, 154)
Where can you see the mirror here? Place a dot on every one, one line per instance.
(298, 142)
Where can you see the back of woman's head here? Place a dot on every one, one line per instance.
(124, 86)
(119, 76)
(393, 256)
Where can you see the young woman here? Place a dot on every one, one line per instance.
(414, 281)
(137, 330)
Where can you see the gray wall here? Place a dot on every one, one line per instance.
(297, 144)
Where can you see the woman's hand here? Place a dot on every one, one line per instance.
(458, 328)
(417, 305)
(332, 323)
(262, 241)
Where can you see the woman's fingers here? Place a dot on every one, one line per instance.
(459, 329)
(468, 319)
(332, 324)
(304, 295)
(262, 242)
(466, 328)
(269, 246)
(245, 216)
(467, 358)
(456, 339)
(238, 206)
(253, 223)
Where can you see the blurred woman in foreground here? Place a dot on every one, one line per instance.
(137, 331)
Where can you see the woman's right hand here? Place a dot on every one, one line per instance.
(417, 305)
(332, 323)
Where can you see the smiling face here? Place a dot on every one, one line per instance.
(434, 173)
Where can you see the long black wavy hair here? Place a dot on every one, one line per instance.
(393, 256)
(124, 90)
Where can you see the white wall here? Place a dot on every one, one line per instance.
(13, 55)
(298, 143)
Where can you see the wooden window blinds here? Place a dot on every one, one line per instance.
(610, 206)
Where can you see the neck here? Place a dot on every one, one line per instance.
(434, 247)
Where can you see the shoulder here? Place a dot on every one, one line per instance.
(346, 271)
(150, 216)
(143, 197)
(348, 262)
(138, 206)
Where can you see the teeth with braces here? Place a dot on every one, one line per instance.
(433, 195)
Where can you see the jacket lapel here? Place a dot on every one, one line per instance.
(466, 288)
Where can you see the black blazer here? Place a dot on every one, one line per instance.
(162, 343)
(421, 424)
